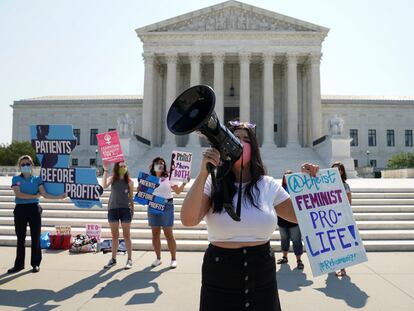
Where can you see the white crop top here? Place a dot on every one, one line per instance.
(257, 224)
(164, 189)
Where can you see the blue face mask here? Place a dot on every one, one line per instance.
(26, 169)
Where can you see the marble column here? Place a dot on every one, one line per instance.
(195, 60)
(171, 94)
(292, 101)
(244, 87)
(268, 101)
(315, 100)
(148, 112)
(219, 84)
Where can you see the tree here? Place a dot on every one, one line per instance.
(401, 160)
(9, 154)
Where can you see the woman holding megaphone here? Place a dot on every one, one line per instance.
(239, 269)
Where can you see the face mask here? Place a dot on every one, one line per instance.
(26, 169)
(247, 155)
(122, 171)
(158, 167)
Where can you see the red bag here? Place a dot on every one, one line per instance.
(58, 241)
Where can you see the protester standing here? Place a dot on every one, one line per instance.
(290, 231)
(342, 172)
(165, 219)
(238, 270)
(120, 208)
(28, 189)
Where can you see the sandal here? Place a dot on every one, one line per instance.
(300, 265)
(282, 260)
(341, 273)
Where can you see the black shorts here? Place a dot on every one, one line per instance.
(120, 214)
(239, 279)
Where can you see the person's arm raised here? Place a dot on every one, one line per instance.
(106, 182)
(196, 203)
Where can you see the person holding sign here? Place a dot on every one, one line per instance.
(239, 270)
(165, 219)
(290, 231)
(120, 208)
(342, 172)
(28, 189)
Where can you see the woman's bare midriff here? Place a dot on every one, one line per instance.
(234, 245)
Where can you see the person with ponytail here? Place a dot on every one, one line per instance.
(239, 270)
(28, 189)
(120, 208)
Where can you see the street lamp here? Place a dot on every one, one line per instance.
(96, 158)
(368, 164)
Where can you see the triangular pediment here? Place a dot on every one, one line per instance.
(232, 16)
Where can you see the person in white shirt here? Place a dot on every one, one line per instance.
(239, 271)
(163, 219)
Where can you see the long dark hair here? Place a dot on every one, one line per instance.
(284, 183)
(115, 173)
(341, 168)
(152, 171)
(257, 171)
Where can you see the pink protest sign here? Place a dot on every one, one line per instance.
(110, 147)
(93, 231)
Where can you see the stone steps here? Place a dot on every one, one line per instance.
(384, 216)
(142, 214)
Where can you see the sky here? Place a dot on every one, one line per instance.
(89, 47)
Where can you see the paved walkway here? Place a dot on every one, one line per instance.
(77, 282)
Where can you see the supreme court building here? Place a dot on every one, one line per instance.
(264, 68)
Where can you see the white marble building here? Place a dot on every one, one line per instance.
(264, 68)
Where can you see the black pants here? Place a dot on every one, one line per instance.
(23, 214)
(239, 279)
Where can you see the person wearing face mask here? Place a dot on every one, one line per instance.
(239, 270)
(165, 220)
(120, 208)
(28, 189)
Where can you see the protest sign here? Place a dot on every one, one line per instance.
(181, 166)
(53, 145)
(110, 147)
(146, 186)
(93, 231)
(326, 222)
(63, 229)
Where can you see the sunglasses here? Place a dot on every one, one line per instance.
(25, 164)
(236, 124)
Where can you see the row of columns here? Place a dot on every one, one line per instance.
(268, 94)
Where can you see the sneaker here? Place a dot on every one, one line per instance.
(35, 269)
(173, 264)
(128, 264)
(156, 262)
(111, 263)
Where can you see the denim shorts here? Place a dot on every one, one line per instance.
(120, 214)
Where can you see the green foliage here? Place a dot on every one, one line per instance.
(9, 154)
(401, 160)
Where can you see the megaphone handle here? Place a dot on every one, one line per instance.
(210, 169)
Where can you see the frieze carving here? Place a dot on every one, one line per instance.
(232, 19)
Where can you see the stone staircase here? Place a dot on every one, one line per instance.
(385, 218)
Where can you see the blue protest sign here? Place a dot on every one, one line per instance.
(326, 222)
(146, 186)
(53, 145)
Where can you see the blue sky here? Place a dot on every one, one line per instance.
(89, 47)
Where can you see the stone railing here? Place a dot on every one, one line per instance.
(14, 170)
(399, 173)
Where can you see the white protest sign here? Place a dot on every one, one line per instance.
(326, 222)
(181, 166)
(93, 231)
(63, 229)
